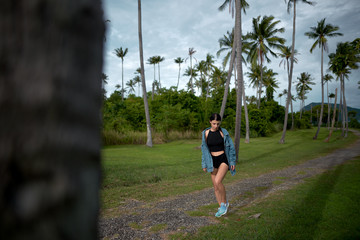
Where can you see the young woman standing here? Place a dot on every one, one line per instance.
(218, 156)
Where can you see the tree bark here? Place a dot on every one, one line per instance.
(282, 140)
(239, 77)
(231, 67)
(322, 95)
(51, 56)
(333, 120)
(247, 136)
(146, 103)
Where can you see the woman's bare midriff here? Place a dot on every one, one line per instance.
(215, 154)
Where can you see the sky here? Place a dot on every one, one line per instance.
(171, 27)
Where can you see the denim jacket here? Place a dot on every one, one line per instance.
(206, 159)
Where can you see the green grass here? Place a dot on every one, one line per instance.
(324, 207)
(147, 174)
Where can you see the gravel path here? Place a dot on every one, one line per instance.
(156, 220)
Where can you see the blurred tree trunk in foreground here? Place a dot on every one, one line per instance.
(50, 97)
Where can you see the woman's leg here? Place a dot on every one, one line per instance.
(217, 178)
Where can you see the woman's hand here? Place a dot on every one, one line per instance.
(232, 167)
(204, 169)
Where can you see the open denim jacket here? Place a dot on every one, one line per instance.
(206, 159)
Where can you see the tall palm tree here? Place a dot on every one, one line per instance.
(327, 79)
(303, 87)
(209, 66)
(291, 3)
(255, 75)
(263, 38)
(320, 34)
(121, 54)
(146, 104)
(179, 61)
(201, 68)
(158, 60)
(341, 62)
(191, 53)
(234, 6)
(285, 54)
(152, 61)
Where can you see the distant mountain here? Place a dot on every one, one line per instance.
(308, 108)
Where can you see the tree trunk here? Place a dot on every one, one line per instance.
(226, 91)
(247, 136)
(177, 86)
(333, 120)
(292, 115)
(239, 77)
(322, 95)
(282, 140)
(327, 91)
(51, 56)
(146, 104)
(340, 106)
(122, 78)
(260, 82)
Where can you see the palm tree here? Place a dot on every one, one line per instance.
(320, 34)
(131, 84)
(292, 60)
(152, 60)
(146, 104)
(158, 60)
(121, 54)
(263, 38)
(192, 74)
(270, 84)
(303, 87)
(209, 66)
(179, 61)
(237, 47)
(327, 79)
(201, 68)
(341, 62)
(285, 54)
(191, 53)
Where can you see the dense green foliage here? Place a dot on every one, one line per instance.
(182, 111)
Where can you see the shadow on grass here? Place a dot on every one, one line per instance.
(305, 217)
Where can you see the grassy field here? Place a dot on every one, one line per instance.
(324, 207)
(147, 174)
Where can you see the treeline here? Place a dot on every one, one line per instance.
(181, 114)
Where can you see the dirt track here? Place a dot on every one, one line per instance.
(138, 219)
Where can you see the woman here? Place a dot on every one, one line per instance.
(218, 156)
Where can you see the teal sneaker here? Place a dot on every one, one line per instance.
(227, 205)
(222, 210)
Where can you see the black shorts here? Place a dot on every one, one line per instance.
(219, 159)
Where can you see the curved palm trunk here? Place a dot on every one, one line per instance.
(322, 95)
(240, 78)
(247, 136)
(122, 78)
(260, 82)
(177, 86)
(340, 106)
(282, 140)
(146, 104)
(226, 91)
(327, 91)
(50, 143)
(345, 113)
(333, 120)
(292, 114)
(159, 75)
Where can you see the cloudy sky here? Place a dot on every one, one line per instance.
(171, 27)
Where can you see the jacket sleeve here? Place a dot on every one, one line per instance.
(203, 149)
(232, 153)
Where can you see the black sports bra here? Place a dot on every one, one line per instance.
(215, 141)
